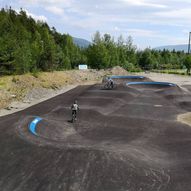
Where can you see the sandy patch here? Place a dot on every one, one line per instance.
(185, 118)
(177, 79)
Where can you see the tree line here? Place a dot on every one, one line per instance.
(105, 52)
(27, 45)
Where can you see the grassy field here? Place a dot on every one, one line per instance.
(172, 71)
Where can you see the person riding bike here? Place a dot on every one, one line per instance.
(74, 109)
(109, 83)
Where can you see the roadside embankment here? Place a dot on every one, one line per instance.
(21, 91)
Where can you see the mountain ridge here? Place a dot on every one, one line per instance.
(83, 43)
(178, 47)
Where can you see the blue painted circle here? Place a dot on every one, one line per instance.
(32, 125)
(127, 77)
(152, 83)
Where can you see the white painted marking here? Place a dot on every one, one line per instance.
(158, 105)
(35, 121)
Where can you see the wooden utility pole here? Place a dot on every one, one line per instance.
(189, 42)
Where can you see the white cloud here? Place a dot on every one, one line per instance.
(176, 14)
(46, 3)
(148, 21)
(144, 3)
(175, 40)
(38, 17)
(185, 31)
(34, 16)
(55, 10)
(117, 28)
(142, 32)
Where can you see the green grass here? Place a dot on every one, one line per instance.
(2, 84)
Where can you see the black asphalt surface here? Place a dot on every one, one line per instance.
(124, 139)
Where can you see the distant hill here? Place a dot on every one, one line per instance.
(181, 47)
(81, 42)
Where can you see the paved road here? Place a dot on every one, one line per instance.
(124, 139)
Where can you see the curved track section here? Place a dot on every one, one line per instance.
(33, 124)
(127, 77)
(152, 83)
(123, 79)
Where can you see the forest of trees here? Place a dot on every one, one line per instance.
(27, 45)
(105, 52)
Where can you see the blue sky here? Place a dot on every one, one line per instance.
(151, 23)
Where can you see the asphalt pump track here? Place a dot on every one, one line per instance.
(124, 139)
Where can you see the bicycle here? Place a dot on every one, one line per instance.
(74, 116)
(108, 86)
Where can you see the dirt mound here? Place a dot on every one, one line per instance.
(117, 70)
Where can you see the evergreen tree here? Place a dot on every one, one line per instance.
(146, 61)
(187, 63)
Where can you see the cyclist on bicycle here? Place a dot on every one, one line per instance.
(110, 83)
(74, 109)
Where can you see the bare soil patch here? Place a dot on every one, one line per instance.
(185, 118)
